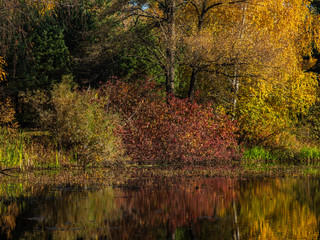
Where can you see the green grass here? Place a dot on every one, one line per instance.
(309, 155)
(258, 155)
(13, 150)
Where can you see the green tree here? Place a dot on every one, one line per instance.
(50, 57)
(153, 20)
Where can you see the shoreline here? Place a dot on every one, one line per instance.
(150, 175)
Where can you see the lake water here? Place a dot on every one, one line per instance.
(218, 208)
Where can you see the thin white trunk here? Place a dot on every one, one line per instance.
(236, 82)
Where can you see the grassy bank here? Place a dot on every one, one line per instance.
(35, 150)
(153, 176)
(304, 156)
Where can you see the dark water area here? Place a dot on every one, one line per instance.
(217, 208)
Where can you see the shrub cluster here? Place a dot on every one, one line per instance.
(79, 123)
(96, 125)
(160, 130)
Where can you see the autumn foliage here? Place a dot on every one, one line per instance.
(6, 107)
(172, 131)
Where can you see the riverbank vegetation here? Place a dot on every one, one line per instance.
(230, 84)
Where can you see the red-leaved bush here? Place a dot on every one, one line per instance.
(156, 130)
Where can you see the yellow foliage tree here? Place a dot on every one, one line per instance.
(249, 58)
(270, 102)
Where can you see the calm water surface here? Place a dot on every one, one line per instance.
(216, 208)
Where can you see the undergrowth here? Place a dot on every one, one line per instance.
(100, 127)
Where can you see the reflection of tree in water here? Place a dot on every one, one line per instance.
(62, 214)
(279, 209)
(183, 210)
(199, 209)
(309, 194)
(8, 215)
(12, 197)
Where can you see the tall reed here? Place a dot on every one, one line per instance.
(21, 150)
(13, 150)
(309, 155)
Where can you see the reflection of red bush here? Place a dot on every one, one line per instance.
(157, 130)
(179, 206)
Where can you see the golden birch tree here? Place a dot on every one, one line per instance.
(248, 56)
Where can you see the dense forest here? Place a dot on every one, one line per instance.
(159, 81)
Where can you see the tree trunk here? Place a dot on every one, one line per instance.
(192, 82)
(195, 70)
(236, 82)
(170, 48)
(235, 86)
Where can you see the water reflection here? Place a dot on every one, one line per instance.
(201, 209)
(280, 209)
